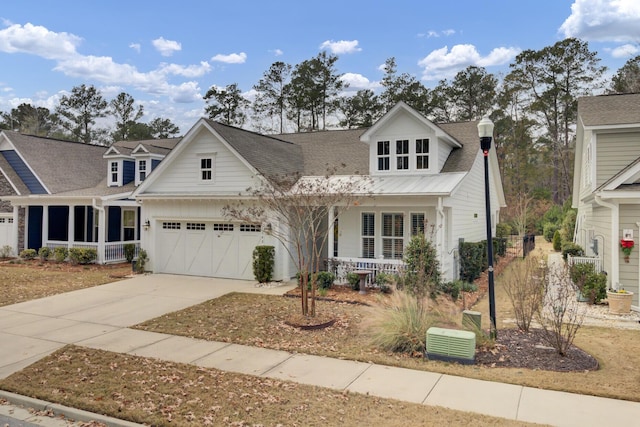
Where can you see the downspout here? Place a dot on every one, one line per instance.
(101, 229)
(615, 226)
(440, 233)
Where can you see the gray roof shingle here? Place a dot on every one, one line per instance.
(619, 109)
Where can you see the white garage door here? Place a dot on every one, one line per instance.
(206, 248)
(7, 235)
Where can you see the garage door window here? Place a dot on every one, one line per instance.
(250, 228)
(195, 226)
(222, 227)
(171, 226)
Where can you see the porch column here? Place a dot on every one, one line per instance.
(331, 230)
(16, 229)
(71, 233)
(45, 225)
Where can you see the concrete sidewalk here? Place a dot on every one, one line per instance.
(99, 318)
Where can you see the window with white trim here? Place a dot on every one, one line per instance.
(392, 235)
(417, 224)
(402, 154)
(422, 153)
(383, 155)
(368, 235)
(114, 173)
(206, 169)
(142, 170)
(128, 224)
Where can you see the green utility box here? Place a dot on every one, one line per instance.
(451, 345)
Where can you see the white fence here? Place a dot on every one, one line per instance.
(113, 252)
(596, 261)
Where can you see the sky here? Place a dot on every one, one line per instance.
(168, 54)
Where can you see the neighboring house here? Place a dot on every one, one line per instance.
(419, 172)
(606, 184)
(416, 172)
(58, 193)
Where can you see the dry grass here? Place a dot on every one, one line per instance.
(24, 281)
(171, 394)
(155, 392)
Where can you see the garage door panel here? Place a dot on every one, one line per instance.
(225, 255)
(198, 253)
(171, 249)
(7, 236)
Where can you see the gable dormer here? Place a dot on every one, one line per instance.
(120, 167)
(404, 142)
(145, 162)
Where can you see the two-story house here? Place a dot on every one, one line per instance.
(606, 185)
(417, 172)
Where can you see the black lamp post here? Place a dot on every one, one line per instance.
(485, 131)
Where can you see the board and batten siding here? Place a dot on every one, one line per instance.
(614, 152)
(629, 218)
(230, 174)
(468, 205)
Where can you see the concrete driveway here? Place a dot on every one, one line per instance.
(31, 330)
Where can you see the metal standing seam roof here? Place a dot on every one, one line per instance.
(603, 110)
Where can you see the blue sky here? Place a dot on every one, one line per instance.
(168, 54)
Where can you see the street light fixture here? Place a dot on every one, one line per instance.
(485, 132)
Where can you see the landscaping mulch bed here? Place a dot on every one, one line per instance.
(516, 349)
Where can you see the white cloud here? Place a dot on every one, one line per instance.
(358, 81)
(341, 46)
(444, 63)
(189, 71)
(135, 46)
(233, 58)
(603, 20)
(166, 47)
(625, 51)
(432, 33)
(186, 92)
(277, 52)
(38, 40)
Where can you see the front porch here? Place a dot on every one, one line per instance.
(107, 229)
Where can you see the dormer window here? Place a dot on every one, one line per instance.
(383, 155)
(142, 170)
(114, 175)
(422, 153)
(402, 154)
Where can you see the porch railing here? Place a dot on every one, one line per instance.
(113, 251)
(596, 261)
(341, 266)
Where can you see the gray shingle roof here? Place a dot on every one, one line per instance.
(323, 150)
(154, 146)
(617, 109)
(272, 157)
(61, 165)
(461, 159)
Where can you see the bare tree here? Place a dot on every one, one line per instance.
(299, 209)
(525, 286)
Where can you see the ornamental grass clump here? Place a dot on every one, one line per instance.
(402, 324)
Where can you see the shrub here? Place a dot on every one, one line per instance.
(549, 230)
(129, 251)
(402, 327)
(28, 254)
(263, 263)
(471, 260)
(324, 280)
(557, 241)
(525, 284)
(141, 261)
(354, 281)
(595, 287)
(423, 268)
(384, 281)
(60, 254)
(570, 248)
(578, 274)
(82, 255)
(5, 251)
(503, 229)
(451, 288)
(44, 253)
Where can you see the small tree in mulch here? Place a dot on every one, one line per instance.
(295, 210)
(525, 286)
